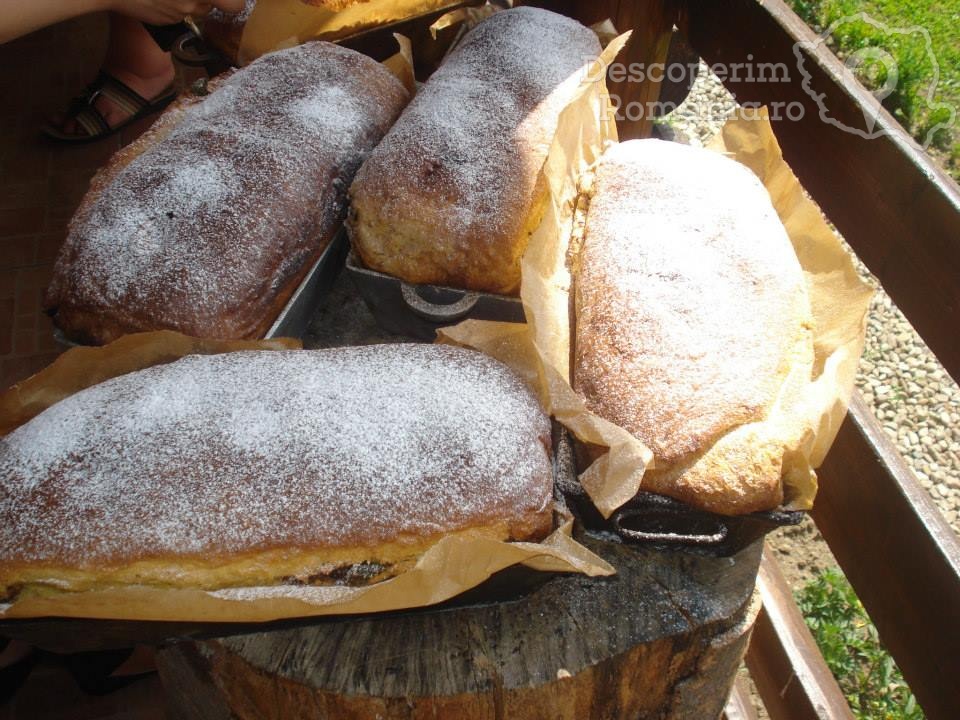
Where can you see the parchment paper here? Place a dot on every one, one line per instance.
(276, 24)
(542, 349)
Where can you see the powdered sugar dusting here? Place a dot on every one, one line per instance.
(236, 199)
(690, 297)
(471, 144)
(258, 450)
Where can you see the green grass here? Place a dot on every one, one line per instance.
(867, 674)
(908, 101)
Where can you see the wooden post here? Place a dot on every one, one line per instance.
(784, 660)
(898, 552)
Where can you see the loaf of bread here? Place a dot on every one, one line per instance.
(693, 323)
(266, 468)
(453, 192)
(208, 224)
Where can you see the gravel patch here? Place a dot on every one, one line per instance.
(910, 393)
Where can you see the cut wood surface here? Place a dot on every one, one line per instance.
(893, 204)
(662, 639)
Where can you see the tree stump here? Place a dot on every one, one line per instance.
(661, 639)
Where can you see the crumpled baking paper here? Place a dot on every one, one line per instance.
(277, 24)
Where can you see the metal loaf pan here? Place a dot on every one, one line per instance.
(420, 310)
(294, 318)
(662, 523)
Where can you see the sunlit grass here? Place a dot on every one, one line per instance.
(867, 674)
(908, 100)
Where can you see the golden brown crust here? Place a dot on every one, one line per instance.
(357, 565)
(694, 329)
(452, 194)
(263, 468)
(209, 222)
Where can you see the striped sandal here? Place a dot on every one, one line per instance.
(91, 124)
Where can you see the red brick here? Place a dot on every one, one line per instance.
(48, 247)
(18, 195)
(6, 335)
(91, 155)
(66, 189)
(24, 342)
(35, 277)
(17, 252)
(8, 284)
(57, 222)
(21, 221)
(29, 301)
(24, 322)
(13, 370)
(29, 163)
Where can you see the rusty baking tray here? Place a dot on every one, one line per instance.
(420, 310)
(662, 523)
(294, 318)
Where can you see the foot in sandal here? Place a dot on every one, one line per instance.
(136, 79)
(107, 105)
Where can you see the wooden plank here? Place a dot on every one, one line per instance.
(652, 24)
(899, 211)
(784, 660)
(899, 554)
(740, 705)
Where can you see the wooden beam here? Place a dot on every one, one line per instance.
(740, 705)
(899, 554)
(784, 660)
(895, 206)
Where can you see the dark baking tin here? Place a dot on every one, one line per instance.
(420, 310)
(295, 317)
(663, 523)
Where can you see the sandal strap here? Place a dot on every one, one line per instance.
(90, 119)
(120, 94)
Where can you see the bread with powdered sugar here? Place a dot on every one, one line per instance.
(208, 223)
(452, 193)
(266, 468)
(693, 323)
